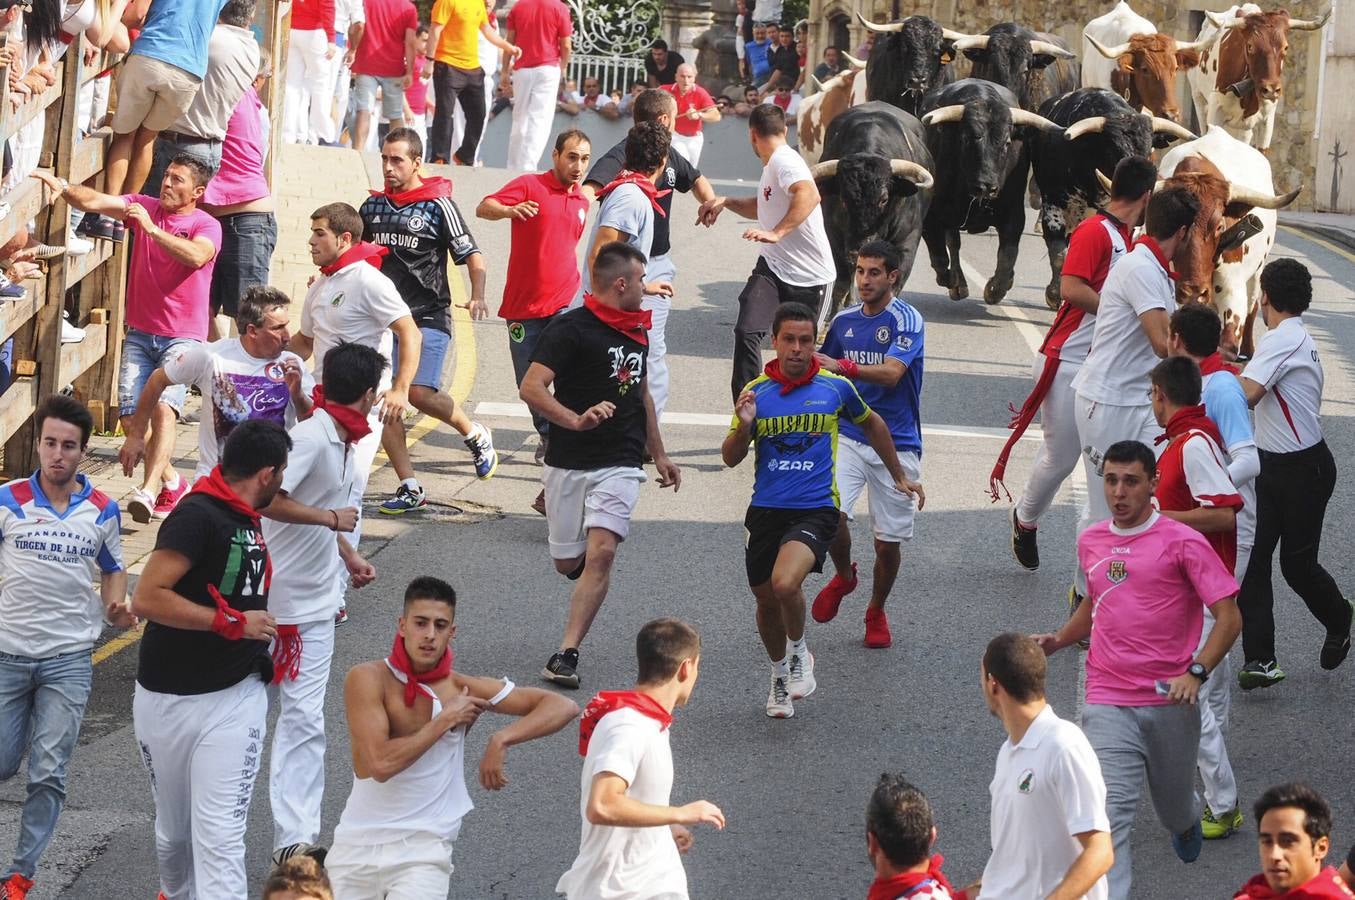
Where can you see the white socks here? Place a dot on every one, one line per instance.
(781, 668)
(797, 648)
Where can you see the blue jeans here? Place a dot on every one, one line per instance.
(523, 335)
(42, 702)
(169, 145)
(142, 354)
(432, 354)
(247, 242)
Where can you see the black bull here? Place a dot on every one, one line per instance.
(872, 188)
(910, 58)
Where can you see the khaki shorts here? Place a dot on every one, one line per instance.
(152, 94)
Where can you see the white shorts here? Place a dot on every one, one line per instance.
(418, 867)
(580, 499)
(891, 512)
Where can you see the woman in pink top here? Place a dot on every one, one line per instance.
(416, 95)
(239, 196)
(694, 107)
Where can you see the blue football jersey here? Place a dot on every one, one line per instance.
(896, 331)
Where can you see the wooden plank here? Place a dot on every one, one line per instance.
(16, 408)
(13, 120)
(87, 159)
(77, 268)
(25, 368)
(104, 288)
(15, 313)
(77, 359)
(25, 203)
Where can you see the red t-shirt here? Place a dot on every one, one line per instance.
(543, 272)
(314, 15)
(382, 50)
(698, 99)
(1192, 473)
(537, 27)
(1088, 258)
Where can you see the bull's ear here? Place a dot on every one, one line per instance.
(1237, 209)
(1187, 59)
(902, 187)
(1125, 63)
(1042, 60)
(947, 55)
(827, 185)
(977, 54)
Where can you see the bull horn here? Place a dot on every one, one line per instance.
(949, 35)
(1167, 126)
(1239, 194)
(1026, 117)
(1089, 125)
(853, 61)
(1222, 22)
(1045, 48)
(1108, 52)
(1105, 182)
(824, 170)
(1309, 24)
(1197, 46)
(972, 42)
(943, 114)
(812, 85)
(879, 29)
(918, 175)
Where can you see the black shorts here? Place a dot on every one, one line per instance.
(767, 529)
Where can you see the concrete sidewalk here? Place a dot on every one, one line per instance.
(1334, 227)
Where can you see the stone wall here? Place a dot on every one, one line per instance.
(1293, 154)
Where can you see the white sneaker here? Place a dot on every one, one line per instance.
(778, 700)
(140, 506)
(801, 683)
(77, 246)
(69, 333)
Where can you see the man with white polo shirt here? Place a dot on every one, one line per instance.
(1048, 825)
(1284, 382)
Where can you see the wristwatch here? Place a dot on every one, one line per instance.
(1199, 671)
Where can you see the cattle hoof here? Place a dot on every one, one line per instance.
(959, 291)
(993, 293)
(1052, 296)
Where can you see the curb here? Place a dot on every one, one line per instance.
(1339, 236)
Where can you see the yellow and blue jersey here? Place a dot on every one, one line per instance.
(796, 439)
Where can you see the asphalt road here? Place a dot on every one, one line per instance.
(794, 791)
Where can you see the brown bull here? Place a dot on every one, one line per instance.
(1145, 74)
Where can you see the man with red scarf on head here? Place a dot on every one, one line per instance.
(200, 709)
(602, 422)
(899, 838)
(408, 715)
(631, 837)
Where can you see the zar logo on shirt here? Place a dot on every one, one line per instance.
(1116, 572)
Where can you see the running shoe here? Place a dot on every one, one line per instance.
(406, 499)
(1188, 844)
(86, 226)
(877, 630)
(78, 246)
(1024, 546)
(539, 504)
(119, 232)
(140, 506)
(15, 887)
(11, 291)
(341, 616)
(300, 849)
(101, 227)
(778, 700)
(801, 682)
(481, 445)
(69, 333)
(1335, 647)
(828, 601)
(563, 668)
(1216, 828)
(1257, 674)
(169, 498)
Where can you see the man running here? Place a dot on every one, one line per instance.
(251, 376)
(417, 222)
(408, 716)
(1284, 382)
(200, 709)
(602, 422)
(791, 413)
(303, 527)
(58, 535)
(878, 346)
(632, 839)
(1094, 248)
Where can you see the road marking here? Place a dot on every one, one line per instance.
(721, 421)
(116, 645)
(1321, 242)
(1024, 326)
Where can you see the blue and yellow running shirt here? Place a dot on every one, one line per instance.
(796, 439)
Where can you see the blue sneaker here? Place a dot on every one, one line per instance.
(481, 445)
(1188, 844)
(406, 499)
(11, 291)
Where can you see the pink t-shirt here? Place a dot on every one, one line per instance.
(382, 51)
(416, 95)
(240, 178)
(1148, 586)
(165, 297)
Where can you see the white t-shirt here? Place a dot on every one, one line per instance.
(628, 210)
(355, 304)
(803, 257)
(306, 565)
(237, 387)
(346, 13)
(627, 863)
(1121, 356)
(1286, 364)
(1045, 790)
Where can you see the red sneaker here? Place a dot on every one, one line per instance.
(167, 499)
(877, 630)
(830, 598)
(15, 887)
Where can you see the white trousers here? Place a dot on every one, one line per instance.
(1060, 449)
(296, 766)
(364, 452)
(202, 754)
(1215, 700)
(660, 268)
(689, 146)
(343, 86)
(534, 93)
(310, 89)
(416, 868)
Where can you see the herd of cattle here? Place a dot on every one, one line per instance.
(910, 152)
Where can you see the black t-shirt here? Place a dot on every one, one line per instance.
(787, 61)
(228, 551)
(680, 175)
(420, 235)
(668, 74)
(594, 362)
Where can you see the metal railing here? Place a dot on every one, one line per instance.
(615, 73)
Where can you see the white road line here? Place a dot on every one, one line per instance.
(490, 408)
(1024, 326)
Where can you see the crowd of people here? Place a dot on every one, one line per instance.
(1188, 500)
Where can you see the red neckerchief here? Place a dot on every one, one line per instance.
(213, 484)
(1326, 885)
(773, 371)
(359, 252)
(230, 623)
(353, 422)
(634, 325)
(1156, 249)
(901, 884)
(608, 701)
(1214, 363)
(430, 189)
(1190, 418)
(776, 99)
(400, 660)
(626, 176)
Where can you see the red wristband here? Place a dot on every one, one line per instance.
(229, 624)
(848, 368)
